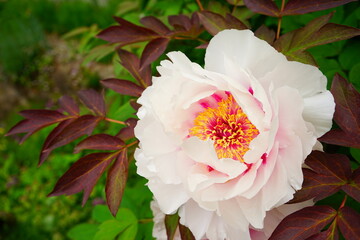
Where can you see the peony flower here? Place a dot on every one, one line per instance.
(223, 145)
(272, 219)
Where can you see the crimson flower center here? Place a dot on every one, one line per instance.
(228, 126)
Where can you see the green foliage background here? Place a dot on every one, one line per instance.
(25, 211)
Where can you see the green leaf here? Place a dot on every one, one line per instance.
(171, 224)
(127, 217)
(355, 153)
(354, 76)
(350, 56)
(109, 229)
(82, 231)
(101, 213)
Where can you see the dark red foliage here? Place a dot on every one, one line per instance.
(124, 87)
(132, 63)
(329, 173)
(295, 7)
(347, 114)
(155, 24)
(153, 50)
(128, 132)
(215, 23)
(304, 223)
(94, 101)
(349, 223)
(116, 182)
(100, 142)
(185, 233)
(266, 7)
(266, 34)
(83, 175)
(68, 104)
(353, 187)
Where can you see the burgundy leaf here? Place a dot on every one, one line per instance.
(94, 101)
(128, 132)
(126, 33)
(54, 133)
(134, 104)
(79, 127)
(69, 105)
(132, 63)
(349, 223)
(171, 224)
(303, 223)
(353, 187)
(83, 175)
(213, 22)
(234, 23)
(155, 24)
(123, 86)
(203, 46)
(36, 120)
(116, 181)
(329, 172)
(266, 7)
(266, 34)
(180, 22)
(153, 51)
(43, 115)
(100, 142)
(347, 114)
(331, 233)
(295, 7)
(185, 233)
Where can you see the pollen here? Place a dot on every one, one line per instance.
(228, 126)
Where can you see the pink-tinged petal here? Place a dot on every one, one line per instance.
(195, 218)
(230, 211)
(244, 51)
(253, 210)
(169, 196)
(318, 110)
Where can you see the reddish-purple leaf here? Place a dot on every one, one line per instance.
(331, 233)
(132, 63)
(203, 46)
(94, 101)
(36, 120)
(234, 23)
(83, 175)
(329, 172)
(79, 127)
(180, 22)
(295, 7)
(69, 105)
(304, 223)
(213, 22)
(126, 33)
(100, 142)
(123, 86)
(349, 223)
(116, 181)
(153, 51)
(266, 7)
(171, 224)
(54, 133)
(134, 104)
(266, 34)
(155, 24)
(353, 187)
(128, 132)
(347, 114)
(185, 233)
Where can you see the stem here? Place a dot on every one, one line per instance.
(185, 38)
(280, 19)
(234, 8)
(145, 220)
(200, 5)
(116, 121)
(343, 202)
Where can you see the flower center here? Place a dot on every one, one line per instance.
(228, 126)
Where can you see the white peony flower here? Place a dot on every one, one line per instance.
(272, 219)
(225, 144)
